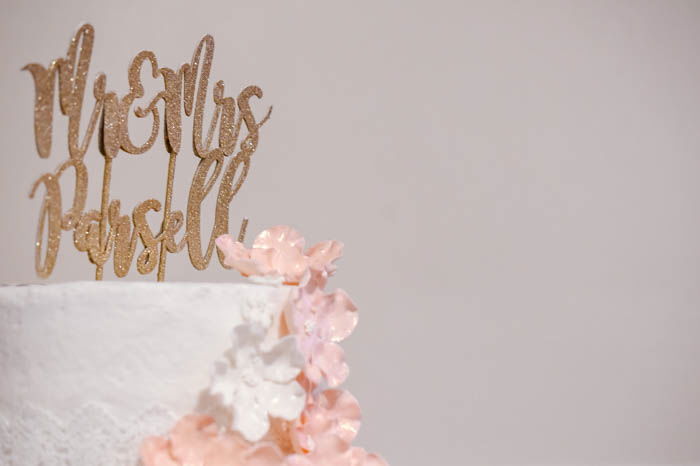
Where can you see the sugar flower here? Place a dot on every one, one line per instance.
(195, 440)
(255, 382)
(279, 251)
(321, 321)
(322, 257)
(332, 412)
(325, 431)
(335, 453)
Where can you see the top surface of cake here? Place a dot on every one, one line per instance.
(124, 345)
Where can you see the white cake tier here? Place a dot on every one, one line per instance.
(92, 368)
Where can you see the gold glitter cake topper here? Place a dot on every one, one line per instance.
(106, 232)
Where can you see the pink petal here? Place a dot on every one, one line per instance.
(322, 255)
(225, 450)
(344, 410)
(233, 250)
(237, 256)
(267, 454)
(297, 460)
(303, 441)
(155, 451)
(340, 316)
(285, 248)
(375, 460)
(328, 448)
(190, 438)
(290, 263)
(226, 244)
(356, 456)
(333, 414)
(317, 280)
(298, 311)
(279, 237)
(313, 373)
(330, 359)
(359, 457)
(263, 260)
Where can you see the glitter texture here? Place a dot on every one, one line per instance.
(106, 233)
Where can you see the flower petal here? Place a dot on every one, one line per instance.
(265, 454)
(263, 260)
(359, 457)
(330, 358)
(236, 255)
(225, 450)
(246, 336)
(355, 456)
(290, 263)
(344, 410)
(340, 316)
(190, 437)
(322, 255)
(284, 248)
(155, 451)
(280, 236)
(297, 460)
(285, 401)
(317, 280)
(373, 459)
(331, 414)
(331, 450)
(249, 417)
(284, 361)
(227, 245)
(313, 373)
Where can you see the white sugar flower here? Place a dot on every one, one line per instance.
(255, 382)
(259, 311)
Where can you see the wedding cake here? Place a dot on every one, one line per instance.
(169, 374)
(184, 374)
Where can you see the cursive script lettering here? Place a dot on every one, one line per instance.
(105, 232)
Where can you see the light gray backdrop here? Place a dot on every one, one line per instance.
(516, 184)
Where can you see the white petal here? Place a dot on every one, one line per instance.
(250, 418)
(224, 380)
(284, 361)
(282, 400)
(220, 368)
(251, 335)
(222, 392)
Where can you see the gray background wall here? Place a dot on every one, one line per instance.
(516, 184)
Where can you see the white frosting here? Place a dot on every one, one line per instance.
(128, 348)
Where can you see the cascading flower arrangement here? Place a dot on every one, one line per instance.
(286, 409)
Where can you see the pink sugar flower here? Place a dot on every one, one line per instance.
(322, 257)
(332, 451)
(332, 412)
(324, 433)
(321, 321)
(276, 251)
(195, 440)
(287, 246)
(279, 251)
(247, 262)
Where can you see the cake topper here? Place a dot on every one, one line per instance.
(107, 232)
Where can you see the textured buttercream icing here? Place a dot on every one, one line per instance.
(125, 345)
(117, 353)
